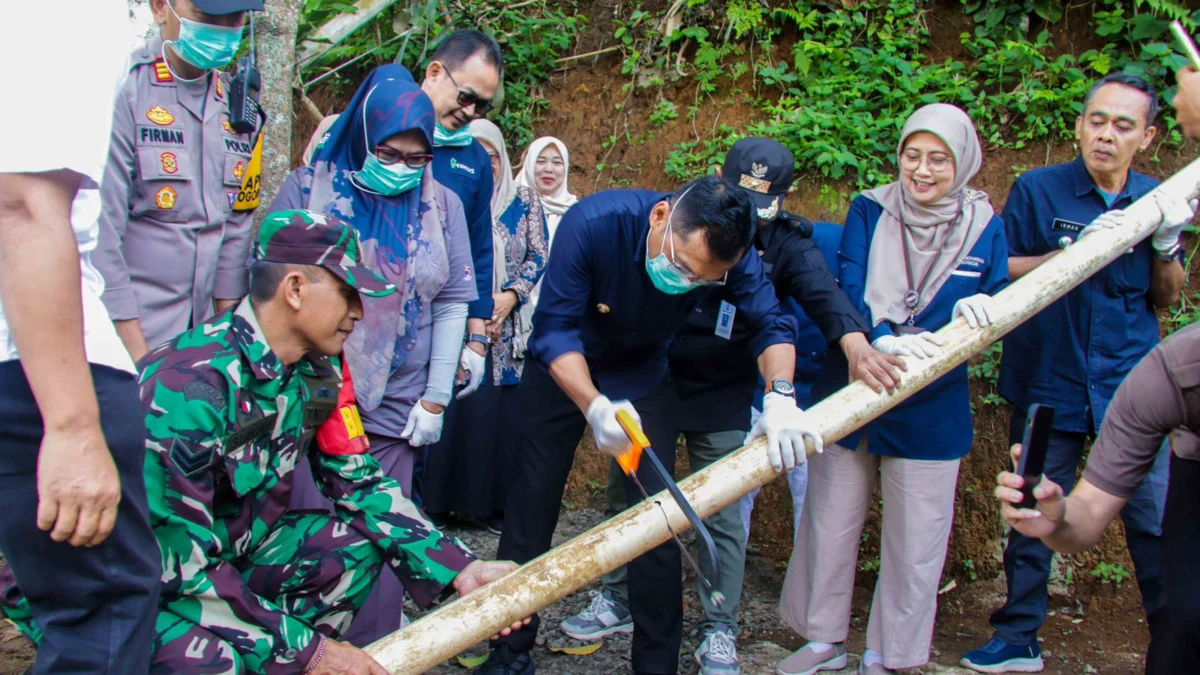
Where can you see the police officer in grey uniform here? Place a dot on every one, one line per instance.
(173, 248)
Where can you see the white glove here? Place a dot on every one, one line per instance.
(786, 426)
(1177, 214)
(977, 310)
(610, 436)
(922, 345)
(423, 428)
(473, 365)
(1106, 221)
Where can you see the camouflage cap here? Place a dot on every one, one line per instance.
(313, 238)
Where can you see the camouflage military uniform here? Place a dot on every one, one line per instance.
(247, 584)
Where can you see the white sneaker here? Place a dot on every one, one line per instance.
(717, 654)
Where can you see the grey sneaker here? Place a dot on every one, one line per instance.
(717, 654)
(603, 617)
(806, 662)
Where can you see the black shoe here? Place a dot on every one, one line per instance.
(495, 525)
(503, 661)
(439, 520)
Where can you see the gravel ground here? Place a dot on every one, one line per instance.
(760, 624)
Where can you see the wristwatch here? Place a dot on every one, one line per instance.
(481, 339)
(1170, 255)
(781, 387)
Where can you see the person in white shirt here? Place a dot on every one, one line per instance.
(82, 564)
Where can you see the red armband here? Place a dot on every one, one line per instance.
(342, 433)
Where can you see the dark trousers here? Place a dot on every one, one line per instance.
(1175, 630)
(1027, 561)
(551, 430)
(95, 607)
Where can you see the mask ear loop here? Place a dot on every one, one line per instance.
(367, 142)
(669, 230)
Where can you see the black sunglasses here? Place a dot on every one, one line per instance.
(388, 156)
(466, 98)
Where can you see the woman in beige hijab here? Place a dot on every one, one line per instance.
(546, 170)
(915, 254)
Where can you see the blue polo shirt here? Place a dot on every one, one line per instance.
(934, 423)
(467, 172)
(1074, 354)
(598, 300)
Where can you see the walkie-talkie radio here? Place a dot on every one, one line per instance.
(243, 91)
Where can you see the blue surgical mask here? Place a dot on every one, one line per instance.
(460, 138)
(206, 46)
(664, 274)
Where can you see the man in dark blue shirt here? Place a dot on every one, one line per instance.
(461, 79)
(628, 268)
(1074, 354)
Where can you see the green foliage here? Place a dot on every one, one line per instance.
(969, 568)
(1108, 573)
(987, 370)
(1010, 19)
(531, 36)
(663, 112)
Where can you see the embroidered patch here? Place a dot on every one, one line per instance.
(204, 392)
(232, 198)
(191, 460)
(467, 273)
(228, 127)
(165, 198)
(771, 211)
(160, 116)
(170, 163)
(162, 72)
(754, 184)
(239, 170)
(758, 170)
(603, 308)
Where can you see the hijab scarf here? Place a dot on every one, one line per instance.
(403, 237)
(940, 234)
(562, 199)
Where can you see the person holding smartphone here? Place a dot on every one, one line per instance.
(1160, 397)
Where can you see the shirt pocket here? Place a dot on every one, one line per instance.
(164, 185)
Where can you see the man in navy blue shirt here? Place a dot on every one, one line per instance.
(628, 268)
(1074, 354)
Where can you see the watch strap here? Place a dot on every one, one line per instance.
(476, 337)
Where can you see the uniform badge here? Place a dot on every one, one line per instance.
(239, 170)
(220, 91)
(162, 72)
(165, 198)
(160, 116)
(603, 308)
(754, 184)
(170, 163)
(758, 170)
(232, 199)
(228, 127)
(467, 273)
(191, 460)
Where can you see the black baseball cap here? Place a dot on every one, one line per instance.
(764, 169)
(220, 7)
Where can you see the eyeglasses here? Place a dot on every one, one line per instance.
(466, 98)
(938, 162)
(388, 156)
(685, 272)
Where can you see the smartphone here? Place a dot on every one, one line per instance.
(1032, 463)
(1185, 41)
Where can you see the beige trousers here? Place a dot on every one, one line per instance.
(918, 509)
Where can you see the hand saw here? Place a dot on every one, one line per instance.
(629, 464)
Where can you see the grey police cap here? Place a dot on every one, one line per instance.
(219, 7)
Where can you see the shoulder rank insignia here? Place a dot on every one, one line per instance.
(220, 89)
(165, 198)
(162, 72)
(170, 163)
(160, 116)
(191, 460)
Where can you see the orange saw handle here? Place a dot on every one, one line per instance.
(637, 438)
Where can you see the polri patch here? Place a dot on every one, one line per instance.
(165, 198)
(160, 116)
(170, 163)
(1064, 225)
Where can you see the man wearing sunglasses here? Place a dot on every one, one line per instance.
(629, 267)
